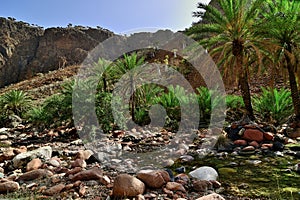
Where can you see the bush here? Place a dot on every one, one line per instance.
(273, 106)
(208, 100)
(234, 102)
(55, 110)
(15, 102)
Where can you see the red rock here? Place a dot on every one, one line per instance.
(154, 178)
(9, 186)
(211, 197)
(202, 185)
(253, 135)
(249, 148)
(127, 186)
(35, 163)
(86, 175)
(173, 186)
(254, 144)
(54, 190)
(269, 136)
(183, 179)
(240, 142)
(267, 146)
(35, 174)
(69, 186)
(78, 163)
(73, 171)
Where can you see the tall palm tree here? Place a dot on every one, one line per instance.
(281, 27)
(126, 66)
(228, 34)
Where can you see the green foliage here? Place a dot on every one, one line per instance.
(55, 110)
(234, 102)
(208, 100)
(274, 106)
(144, 98)
(15, 102)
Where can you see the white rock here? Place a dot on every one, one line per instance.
(205, 173)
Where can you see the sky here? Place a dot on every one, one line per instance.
(119, 16)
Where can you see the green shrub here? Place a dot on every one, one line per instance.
(208, 100)
(172, 101)
(15, 102)
(55, 110)
(234, 102)
(273, 106)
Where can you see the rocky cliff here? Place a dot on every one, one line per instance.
(28, 49)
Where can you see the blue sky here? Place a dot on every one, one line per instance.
(118, 16)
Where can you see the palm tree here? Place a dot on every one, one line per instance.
(228, 34)
(126, 66)
(281, 27)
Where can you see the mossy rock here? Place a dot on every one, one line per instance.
(261, 179)
(225, 171)
(293, 147)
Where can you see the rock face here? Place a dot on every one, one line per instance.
(26, 50)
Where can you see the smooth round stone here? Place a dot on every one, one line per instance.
(205, 173)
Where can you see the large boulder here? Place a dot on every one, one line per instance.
(127, 186)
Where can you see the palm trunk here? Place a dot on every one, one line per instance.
(244, 87)
(132, 98)
(294, 88)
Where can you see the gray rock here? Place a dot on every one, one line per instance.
(22, 158)
(205, 173)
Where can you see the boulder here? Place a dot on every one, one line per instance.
(202, 185)
(213, 196)
(35, 174)
(268, 136)
(54, 190)
(254, 144)
(9, 186)
(86, 175)
(240, 142)
(78, 163)
(154, 178)
(127, 186)
(253, 135)
(204, 173)
(35, 163)
(173, 186)
(23, 158)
